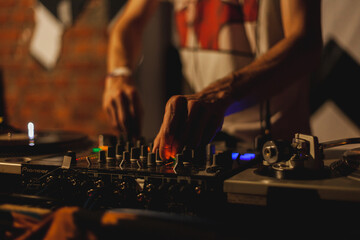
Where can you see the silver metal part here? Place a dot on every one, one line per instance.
(270, 153)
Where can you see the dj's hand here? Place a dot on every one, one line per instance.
(191, 120)
(122, 104)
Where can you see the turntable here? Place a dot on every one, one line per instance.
(18, 147)
(299, 173)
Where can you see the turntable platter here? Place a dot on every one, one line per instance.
(13, 137)
(19, 144)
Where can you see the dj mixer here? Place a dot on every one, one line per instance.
(65, 168)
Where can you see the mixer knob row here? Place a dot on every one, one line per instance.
(139, 155)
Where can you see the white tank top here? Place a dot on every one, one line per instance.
(217, 37)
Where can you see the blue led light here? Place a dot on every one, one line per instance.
(234, 156)
(247, 156)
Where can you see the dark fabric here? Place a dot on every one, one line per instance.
(77, 223)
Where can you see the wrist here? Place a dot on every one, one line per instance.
(116, 81)
(220, 91)
(120, 72)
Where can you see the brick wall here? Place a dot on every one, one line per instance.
(67, 97)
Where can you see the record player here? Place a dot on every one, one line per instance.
(304, 172)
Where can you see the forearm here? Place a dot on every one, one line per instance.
(125, 38)
(289, 60)
(293, 57)
(121, 100)
(124, 48)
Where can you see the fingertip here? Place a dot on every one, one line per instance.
(161, 153)
(155, 144)
(153, 150)
(176, 148)
(164, 150)
(167, 154)
(112, 118)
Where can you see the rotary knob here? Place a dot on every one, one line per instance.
(179, 162)
(151, 159)
(111, 154)
(102, 156)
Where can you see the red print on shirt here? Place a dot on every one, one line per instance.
(210, 17)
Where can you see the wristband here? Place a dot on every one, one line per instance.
(120, 72)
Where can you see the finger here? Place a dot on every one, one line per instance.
(123, 113)
(110, 111)
(156, 143)
(113, 118)
(179, 126)
(136, 112)
(116, 123)
(110, 115)
(170, 132)
(165, 149)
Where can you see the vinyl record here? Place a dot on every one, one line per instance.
(15, 160)
(46, 142)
